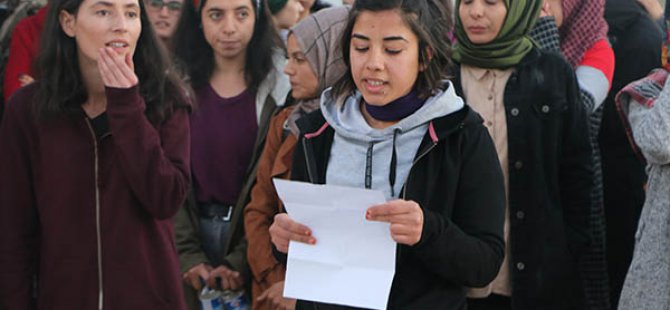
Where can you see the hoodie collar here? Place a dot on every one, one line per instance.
(315, 124)
(348, 121)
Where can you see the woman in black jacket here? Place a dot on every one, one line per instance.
(529, 100)
(426, 151)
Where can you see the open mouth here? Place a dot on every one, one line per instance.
(161, 24)
(116, 45)
(373, 85)
(119, 47)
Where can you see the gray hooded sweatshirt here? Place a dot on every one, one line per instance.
(360, 152)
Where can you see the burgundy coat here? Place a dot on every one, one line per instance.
(91, 217)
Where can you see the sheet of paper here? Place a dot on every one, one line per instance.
(353, 260)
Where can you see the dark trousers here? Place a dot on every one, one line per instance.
(493, 302)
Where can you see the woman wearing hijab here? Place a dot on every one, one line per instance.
(577, 29)
(645, 105)
(637, 42)
(529, 101)
(582, 38)
(314, 63)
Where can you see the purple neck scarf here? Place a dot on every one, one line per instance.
(396, 109)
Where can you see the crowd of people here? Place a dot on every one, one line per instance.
(522, 147)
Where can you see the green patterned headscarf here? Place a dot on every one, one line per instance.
(511, 44)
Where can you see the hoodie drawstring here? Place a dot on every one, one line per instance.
(368, 166)
(394, 162)
(392, 168)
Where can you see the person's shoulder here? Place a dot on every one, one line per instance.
(283, 114)
(23, 94)
(643, 34)
(21, 102)
(549, 60)
(319, 5)
(313, 123)
(31, 24)
(463, 121)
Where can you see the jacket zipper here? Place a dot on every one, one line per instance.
(97, 214)
(404, 190)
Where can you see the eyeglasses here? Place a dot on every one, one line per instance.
(173, 6)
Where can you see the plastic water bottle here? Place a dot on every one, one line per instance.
(235, 300)
(210, 299)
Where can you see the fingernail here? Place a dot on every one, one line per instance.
(312, 241)
(307, 232)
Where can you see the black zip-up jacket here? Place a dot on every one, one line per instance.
(457, 180)
(550, 180)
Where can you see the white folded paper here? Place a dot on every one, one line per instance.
(353, 260)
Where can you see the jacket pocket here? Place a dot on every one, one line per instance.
(549, 109)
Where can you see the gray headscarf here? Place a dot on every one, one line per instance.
(319, 37)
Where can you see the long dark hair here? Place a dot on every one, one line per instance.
(430, 21)
(186, 35)
(62, 91)
(197, 56)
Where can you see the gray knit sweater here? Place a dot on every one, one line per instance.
(647, 284)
